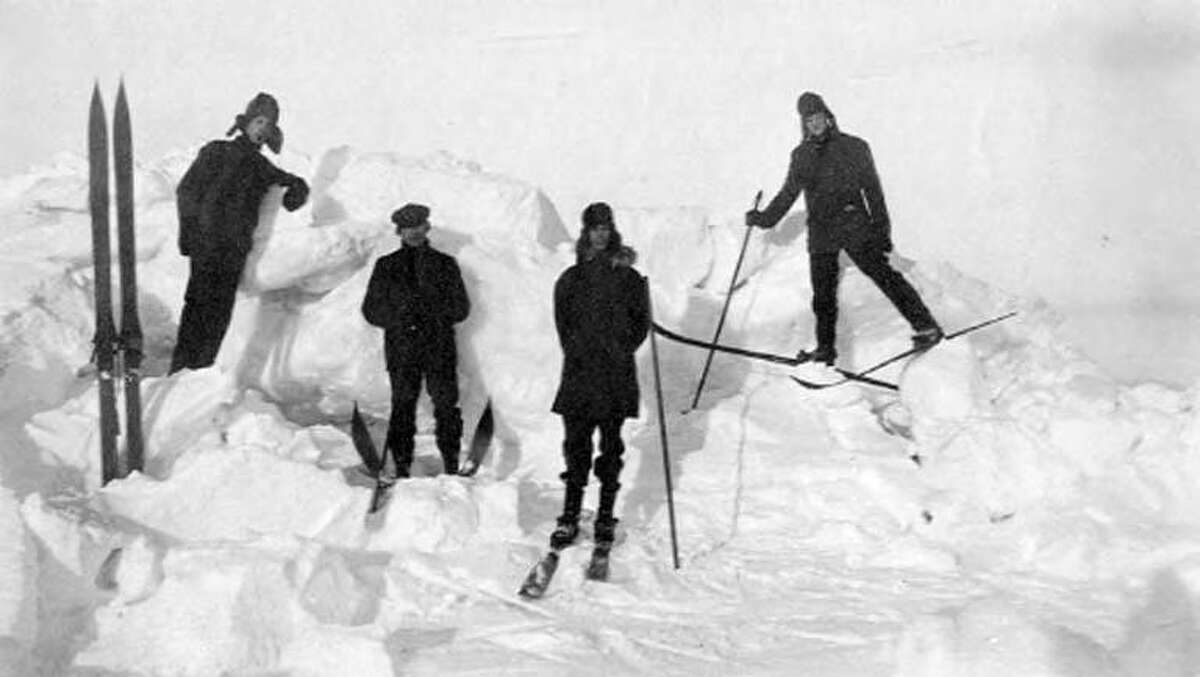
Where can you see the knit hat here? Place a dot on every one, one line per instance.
(810, 103)
(596, 214)
(262, 104)
(410, 215)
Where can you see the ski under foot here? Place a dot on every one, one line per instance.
(539, 577)
(597, 569)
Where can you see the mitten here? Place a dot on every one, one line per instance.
(296, 195)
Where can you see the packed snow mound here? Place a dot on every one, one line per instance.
(18, 587)
(1002, 451)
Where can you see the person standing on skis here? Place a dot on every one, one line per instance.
(601, 313)
(416, 295)
(218, 200)
(846, 212)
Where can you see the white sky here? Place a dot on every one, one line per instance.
(1053, 142)
(1046, 148)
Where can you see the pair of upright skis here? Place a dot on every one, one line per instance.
(117, 355)
(376, 462)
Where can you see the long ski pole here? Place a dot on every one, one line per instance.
(725, 309)
(662, 430)
(105, 338)
(130, 340)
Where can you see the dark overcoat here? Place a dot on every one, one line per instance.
(602, 316)
(220, 194)
(842, 194)
(416, 295)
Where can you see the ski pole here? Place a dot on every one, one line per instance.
(662, 428)
(725, 309)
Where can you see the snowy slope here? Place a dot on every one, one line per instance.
(1012, 510)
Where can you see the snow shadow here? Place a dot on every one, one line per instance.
(680, 369)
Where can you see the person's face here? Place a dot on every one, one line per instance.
(815, 124)
(258, 129)
(415, 236)
(599, 236)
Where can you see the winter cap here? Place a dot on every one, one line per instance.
(810, 103)
(596, 214)
(262, 104)
(410, 215)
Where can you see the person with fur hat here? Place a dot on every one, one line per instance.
(416, 295)
(601, 312)
(218, 200)
(846, 212)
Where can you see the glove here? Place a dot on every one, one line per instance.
(756, 218)
(296, 195)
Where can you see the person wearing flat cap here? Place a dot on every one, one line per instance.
(846, 212)
(416, 295)
(218, 200)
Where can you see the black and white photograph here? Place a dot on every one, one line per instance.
(600, 337)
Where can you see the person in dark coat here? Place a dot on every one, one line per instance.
(846, 212)
(416, 295)
(218, 201)
(601, 312)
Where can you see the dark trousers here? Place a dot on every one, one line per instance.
(873, 262)
(207, 308)
(577, 452)
(442, 383)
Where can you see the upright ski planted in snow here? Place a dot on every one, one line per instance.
(117, 356)
(105, 338)
(371, 458)
(130, 339)
(480, 442)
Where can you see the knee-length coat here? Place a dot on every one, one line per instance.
(601, 313)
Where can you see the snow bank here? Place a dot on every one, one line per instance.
(18, 590)
(243, 546)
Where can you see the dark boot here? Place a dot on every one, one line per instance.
(927, 338)
(565, 533)
(824, 354)
(400, 464)
(568, 522)
(605, 530)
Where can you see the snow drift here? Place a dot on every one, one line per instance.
(1011, 489)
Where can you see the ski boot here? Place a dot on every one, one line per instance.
(565, 533)
(823, 354)
(605, 534)
(927, 338)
